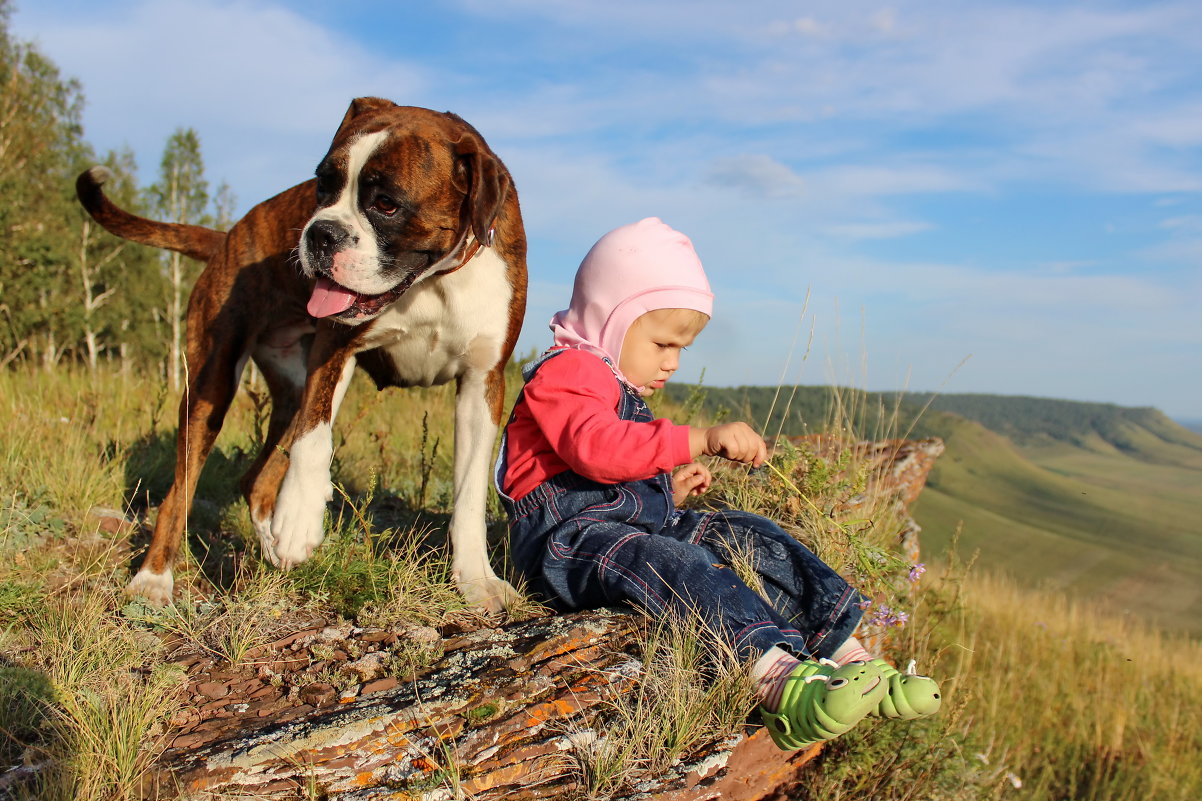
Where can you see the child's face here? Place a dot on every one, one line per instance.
(651, 349)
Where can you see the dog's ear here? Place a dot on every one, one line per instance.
(480, 175)
(363, 105)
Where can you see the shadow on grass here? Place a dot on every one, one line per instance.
(222, 553)
(396, 512)
(26, 696)
(149, 472)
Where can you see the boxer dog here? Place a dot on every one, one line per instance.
(406, 256)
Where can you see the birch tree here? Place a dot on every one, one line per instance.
(116, 280)
(181, 195)
(40, 139)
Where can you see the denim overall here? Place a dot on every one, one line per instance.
(582, 545)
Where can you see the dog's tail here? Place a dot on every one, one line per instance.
(193, 241)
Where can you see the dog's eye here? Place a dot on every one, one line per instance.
(385, 205)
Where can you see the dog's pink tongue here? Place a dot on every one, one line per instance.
(328, 298)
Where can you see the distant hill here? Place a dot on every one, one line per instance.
(801, 409)
(1106, 524)
(1141, 432)
(1028, 421)
(1102, 501)
(1192, 425)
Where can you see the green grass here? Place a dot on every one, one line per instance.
(683, 700)
(1044, 698)
(1095, 499)
(1099, 523)
(81, 680)
(1066, 696)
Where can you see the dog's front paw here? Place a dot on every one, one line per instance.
(490, 593)
(262, 526)
(298, 522)
(156, 588)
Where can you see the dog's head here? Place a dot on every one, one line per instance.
(398, 196)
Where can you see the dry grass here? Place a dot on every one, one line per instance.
(690, 691)
(81, 681)
(104, 697)
(1078, 703)
(1072, 703)
(1044, 699)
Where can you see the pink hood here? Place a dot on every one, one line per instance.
(632, 270)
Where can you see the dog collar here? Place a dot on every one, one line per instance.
(470, 249)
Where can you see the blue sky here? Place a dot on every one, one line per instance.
(993, 197)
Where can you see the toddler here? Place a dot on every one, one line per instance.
(585, 474)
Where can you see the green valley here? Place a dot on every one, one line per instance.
(1100, 501)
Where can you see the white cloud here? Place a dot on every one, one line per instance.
(1185, 250)
(757, 174)
(808, 26)
(260, 83)
(259, 65)
(889, 326)
(781, 143)
(876, 230)
(883, 21)
(1190, 223)
(866, 180)
(1064, 85)
(1072, 266)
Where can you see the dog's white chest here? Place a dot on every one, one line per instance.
(447, 326)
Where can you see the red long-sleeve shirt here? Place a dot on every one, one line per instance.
(567, 419)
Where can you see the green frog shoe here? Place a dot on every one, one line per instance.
(821, 700)
(910, 696)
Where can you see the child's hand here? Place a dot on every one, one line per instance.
(735, 441)
(692, 479)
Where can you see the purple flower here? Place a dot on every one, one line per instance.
(886, 617)
(916, 572)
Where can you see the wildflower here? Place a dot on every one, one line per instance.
(885, 617)
(1014, 780)
(863, 605)
(916, 572)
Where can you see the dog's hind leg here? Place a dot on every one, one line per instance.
(214, 364)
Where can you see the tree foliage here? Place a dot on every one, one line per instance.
(69, 291)
(40, 136)
(181, 195)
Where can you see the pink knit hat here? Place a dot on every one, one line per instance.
(632, 270)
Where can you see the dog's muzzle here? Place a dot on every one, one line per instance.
(330, 299)
(324, 240)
